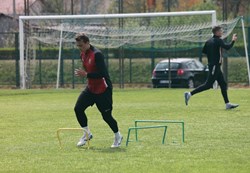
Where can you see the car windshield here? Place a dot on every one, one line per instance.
(164, 65)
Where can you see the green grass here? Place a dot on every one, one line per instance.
(216, 140)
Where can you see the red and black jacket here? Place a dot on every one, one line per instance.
(97, 73)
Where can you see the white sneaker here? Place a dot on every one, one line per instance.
(117, 141)
(187, 96)
(84, 139)
(231, 106)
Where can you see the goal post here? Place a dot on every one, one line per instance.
(245, 46)
(116, 42)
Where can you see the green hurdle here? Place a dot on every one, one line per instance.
(160, 121)
(146, 127)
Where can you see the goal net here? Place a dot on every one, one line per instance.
(48, 54)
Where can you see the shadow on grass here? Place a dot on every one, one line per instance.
(104, 150)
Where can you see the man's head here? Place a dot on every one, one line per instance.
(82, 42)
(217, 30)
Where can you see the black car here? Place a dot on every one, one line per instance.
(184, 72)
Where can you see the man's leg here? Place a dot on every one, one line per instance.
(209, 82)
(84, 100)
(207, 85)
(104, 104)
(223, 86)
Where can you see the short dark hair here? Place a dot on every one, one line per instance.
(82, 37)
(215, 29)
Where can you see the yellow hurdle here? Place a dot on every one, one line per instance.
(70, 129)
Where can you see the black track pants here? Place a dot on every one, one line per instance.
(104, 104)
(215, 74)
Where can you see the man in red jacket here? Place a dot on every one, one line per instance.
(98, 90)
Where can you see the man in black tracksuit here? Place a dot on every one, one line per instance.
(212, 49)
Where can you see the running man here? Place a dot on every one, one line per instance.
(212, 49)
(98, 90)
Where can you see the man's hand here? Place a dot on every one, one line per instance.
(234, 38)
(80, 73)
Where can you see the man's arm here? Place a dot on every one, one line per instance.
(230, 45)
(226, 46)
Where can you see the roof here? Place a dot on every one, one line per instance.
(6, 16)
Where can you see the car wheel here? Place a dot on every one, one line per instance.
(190, 83)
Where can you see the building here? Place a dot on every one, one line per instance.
(8, 28)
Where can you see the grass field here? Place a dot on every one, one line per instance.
(217, 140)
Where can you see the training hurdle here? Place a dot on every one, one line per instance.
(147, 127)
(70, 129)
(160, 121)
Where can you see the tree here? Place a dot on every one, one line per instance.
(235, 7)
(143, 6)
(52, 6)
(74, 6)
(184, 5)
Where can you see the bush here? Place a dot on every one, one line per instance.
(237, 70)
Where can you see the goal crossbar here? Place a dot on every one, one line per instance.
(126, 15)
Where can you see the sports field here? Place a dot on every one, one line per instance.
(216, 140)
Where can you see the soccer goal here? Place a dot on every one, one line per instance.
(49, 40)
